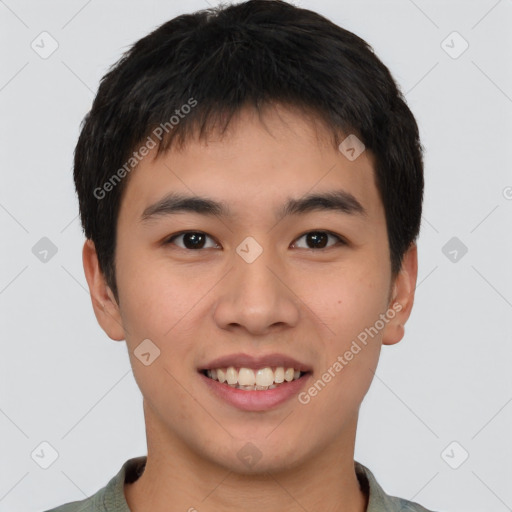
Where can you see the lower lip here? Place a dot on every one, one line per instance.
(256, 400)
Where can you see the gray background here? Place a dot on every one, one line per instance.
(65, 383)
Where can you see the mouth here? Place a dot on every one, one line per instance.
(254, 379)
(255, 383)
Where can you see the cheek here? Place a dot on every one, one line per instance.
(351, 307)
(155, 307)
(349, 303)
(153, 298)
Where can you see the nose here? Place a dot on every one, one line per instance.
(256, 297)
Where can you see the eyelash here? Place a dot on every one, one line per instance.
(341, 241)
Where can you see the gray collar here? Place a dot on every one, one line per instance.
(112, 499)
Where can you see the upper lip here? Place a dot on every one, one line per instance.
(242, 360)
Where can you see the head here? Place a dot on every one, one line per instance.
(255, 107)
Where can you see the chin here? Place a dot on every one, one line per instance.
(256, 456)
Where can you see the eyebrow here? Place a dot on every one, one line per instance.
(337, 200)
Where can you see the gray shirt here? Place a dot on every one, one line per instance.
(111, 498)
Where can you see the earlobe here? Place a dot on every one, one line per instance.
(104, 304)
(402, 298)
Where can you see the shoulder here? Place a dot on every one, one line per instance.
(110, 498)
(378, 500)
(400, 504)
(86, 505)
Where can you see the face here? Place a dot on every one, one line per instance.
(252, 288)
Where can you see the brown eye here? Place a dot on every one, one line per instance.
(192, 240)
(319, 239)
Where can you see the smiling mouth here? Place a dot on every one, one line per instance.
(250, 379)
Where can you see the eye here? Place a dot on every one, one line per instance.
(195, 240)
(318, 239)
(192, 240)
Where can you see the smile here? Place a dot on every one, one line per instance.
(249, 379)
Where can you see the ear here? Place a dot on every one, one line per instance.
(402, 297)
(104, 304)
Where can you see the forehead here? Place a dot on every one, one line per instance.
(256, 165)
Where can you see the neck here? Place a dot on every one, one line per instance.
(177, 479)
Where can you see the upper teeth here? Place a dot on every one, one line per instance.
(249, 377)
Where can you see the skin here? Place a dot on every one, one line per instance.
(197, 305)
